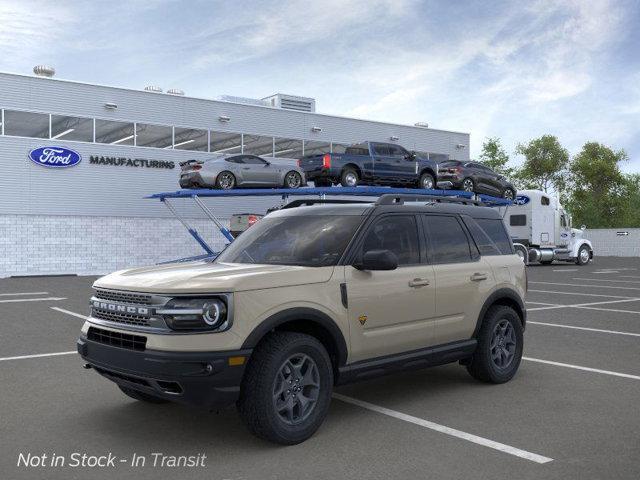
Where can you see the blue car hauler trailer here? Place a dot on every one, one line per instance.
(407, 193)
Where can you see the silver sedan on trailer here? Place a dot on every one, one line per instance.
(240, 170)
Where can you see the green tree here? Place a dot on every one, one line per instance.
(631, 202)
(495, 157)
(599, 193)
(545, 164)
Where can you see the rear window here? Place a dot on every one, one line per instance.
(518, 220)
(447, 240)
(449, 163)
(360, 149)
(490, 236)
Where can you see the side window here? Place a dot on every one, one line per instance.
(494, 228)
(518, 220)
(563, 221)
(235, 160)
(396, 151)
(447, 239)
(253, 160)
(381, 149)
(544, 200)
(397, 233)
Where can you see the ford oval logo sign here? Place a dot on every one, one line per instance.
(521, 200)
(56, 157)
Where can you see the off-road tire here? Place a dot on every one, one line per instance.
(141, 396)
(481, 365)
(344, 177)
(256, 404)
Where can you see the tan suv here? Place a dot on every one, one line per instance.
(309, 298)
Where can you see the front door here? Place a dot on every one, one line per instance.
(463, 279)
(257, 171)
(391, 311)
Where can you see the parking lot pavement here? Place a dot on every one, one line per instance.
(571, 412)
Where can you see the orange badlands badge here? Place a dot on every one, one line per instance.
(362, 319)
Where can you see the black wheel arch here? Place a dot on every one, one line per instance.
(305, 320)
(353, 166)
(430, 171)
(507, 297)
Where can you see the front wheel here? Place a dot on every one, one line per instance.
(286, 390)
(584, 255)
(427, 181)
(499, 351)
(292, 180)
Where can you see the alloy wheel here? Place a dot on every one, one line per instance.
(467, 185)
(226, 181)
(351, 179)
(293, 180)
(503, 344)
(427, 182)
(296, 389)
(508, 194)
(584, 255)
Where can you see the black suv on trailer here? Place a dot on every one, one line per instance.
(476, 177)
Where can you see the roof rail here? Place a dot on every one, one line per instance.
(305, 202)
(399, 199)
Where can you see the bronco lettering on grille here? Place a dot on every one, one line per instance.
(114, 307)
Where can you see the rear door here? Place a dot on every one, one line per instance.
(463, 279)
(391, 311)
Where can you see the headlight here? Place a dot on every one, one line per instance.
(196, 314)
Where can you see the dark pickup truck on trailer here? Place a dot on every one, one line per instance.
(371, 163)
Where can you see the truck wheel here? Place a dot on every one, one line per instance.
(225, 180)
(427, 181)
(499, 351)
(349, 178)
(141, 396)
(583, 255)
(286, 389)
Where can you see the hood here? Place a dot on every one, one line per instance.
(206, 277)
(577, 233)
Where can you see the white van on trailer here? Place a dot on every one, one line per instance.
(541, 230)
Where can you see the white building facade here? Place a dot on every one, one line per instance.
(92, 218)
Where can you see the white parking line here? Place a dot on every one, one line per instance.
(73, 314)
(598, 330)
(579, 367)
(566, 269)
(485, 442)
(585, 305)
(590, 286)
(39, 355)
(22, 293)
(582, 294)
(608, 309)
(604, 280)
(537, 303)
(628, 276)
(47, 299)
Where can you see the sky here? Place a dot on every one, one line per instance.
(513, 70)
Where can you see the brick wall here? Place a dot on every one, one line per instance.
(607, 242)
(44, 245)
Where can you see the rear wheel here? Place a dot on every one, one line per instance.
(349, 178)
(141, 396)
(225, 181)
(468, 185)
(427, 181)
(509, 194)
(292, 180)
(286, 390)
(584, 256)
(499, 351)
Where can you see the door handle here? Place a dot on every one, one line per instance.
(246, 168)
(418, 282)
(477, 277)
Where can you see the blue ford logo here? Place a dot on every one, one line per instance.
(56, 157)
(521, 200)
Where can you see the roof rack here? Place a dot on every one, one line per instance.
(400, 199)
(306, 202)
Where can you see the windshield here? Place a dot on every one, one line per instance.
(310, 241)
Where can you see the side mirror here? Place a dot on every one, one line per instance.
(583, 227)
(267, 163)
(410, 156)
(378, 260)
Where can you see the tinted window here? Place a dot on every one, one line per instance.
(518, 220)
(447, 239)
(253, 160)
(494, 228)
(357, 151)
(381, 149)
(311, 241)
(397, 151)
(235, 159)
(26, 124)
(397, 233)
(450, 163)
(544, 200)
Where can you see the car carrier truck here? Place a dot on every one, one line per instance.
(541, 230)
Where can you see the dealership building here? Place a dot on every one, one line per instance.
(91, 217)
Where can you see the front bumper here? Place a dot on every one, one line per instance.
(203, 379)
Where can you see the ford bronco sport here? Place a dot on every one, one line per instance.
(313, 297)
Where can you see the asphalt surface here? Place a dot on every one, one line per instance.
(576, 417)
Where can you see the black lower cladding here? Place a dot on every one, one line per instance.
(203, 379)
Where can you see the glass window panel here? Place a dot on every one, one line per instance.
(72, 128)
(338, 147)
(222, 142)
(157, 136)
(312, 147)
(115, 133)
(398, 234)
(26, 124)
(258, 145)
(190, 139)
(288, 148)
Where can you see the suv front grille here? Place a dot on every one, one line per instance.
(123, 297)
(126, 318)
(117, 339)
